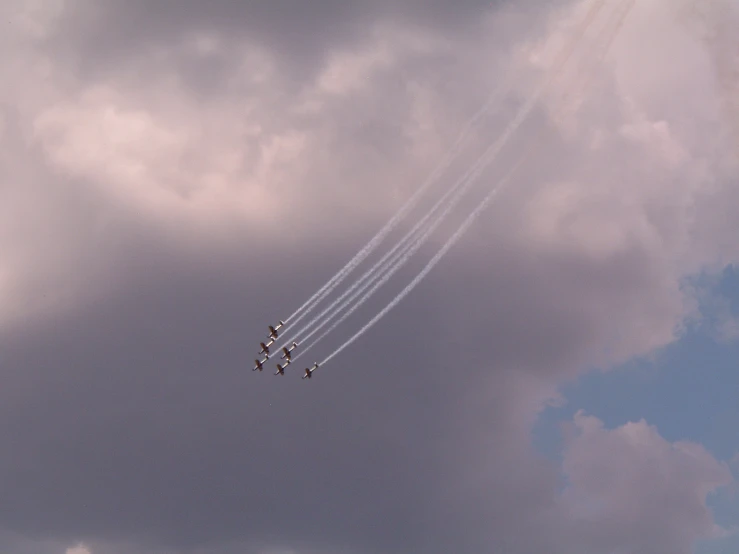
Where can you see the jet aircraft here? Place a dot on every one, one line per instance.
(287, 351)
(281, 368)
(309, 370)
(265, 347)
(273, 330)
(259, 365)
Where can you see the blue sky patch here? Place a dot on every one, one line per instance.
(690, 391)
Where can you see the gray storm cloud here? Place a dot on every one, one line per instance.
(175, 177)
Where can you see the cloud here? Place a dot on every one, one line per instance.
(173, 179)
(629, 489)
(297, 34)
(712, 22)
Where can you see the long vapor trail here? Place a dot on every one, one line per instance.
(406, 242)
(366, 297)
(391, 256)
(464, 182)
(610, 31)
(398, 261)
(362, 254)
(429, 266)
(463, 228)
(410, 243)
(326, 289)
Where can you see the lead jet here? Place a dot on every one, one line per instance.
(265, 347)
(309, 371)
(259, 365)
(286, 351)
(273, 330)
(281, 368)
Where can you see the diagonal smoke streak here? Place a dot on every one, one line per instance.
(627, 6)
(398, 261)
(598, 52)
(429, 266)
(336, 280)
(327, 288)
(464, 182)
(390, 257)
(382, 281)
(410, 240)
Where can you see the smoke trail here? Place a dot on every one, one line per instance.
(407, 242)
(399, 261)
(459, 188)
(399, 251)
(410, 204)
(608, 35)
(403, 243)
(384, 263)
(368, 277)
(457, 235)
(430, 265)
(364, 298)
(326, 289)
(483, 161)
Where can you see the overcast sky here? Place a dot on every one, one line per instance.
(176, 175)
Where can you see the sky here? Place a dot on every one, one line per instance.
(174, 177)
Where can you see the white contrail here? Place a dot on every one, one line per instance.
(429, 266)
(458, 190)
(303, 310)
(366, 297)
(408, 242)
(386, 261)
(466, 180)
(389, 269)
(608, 35)
(402, 212)
(463, 228)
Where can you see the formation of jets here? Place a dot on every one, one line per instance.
(286, 353)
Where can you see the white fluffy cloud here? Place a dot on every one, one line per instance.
(628, 489)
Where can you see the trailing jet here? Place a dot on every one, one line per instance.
(265, 347)
(273, 330)
(259, 365)
(309, 370)
(288, 350)
(281, 368)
